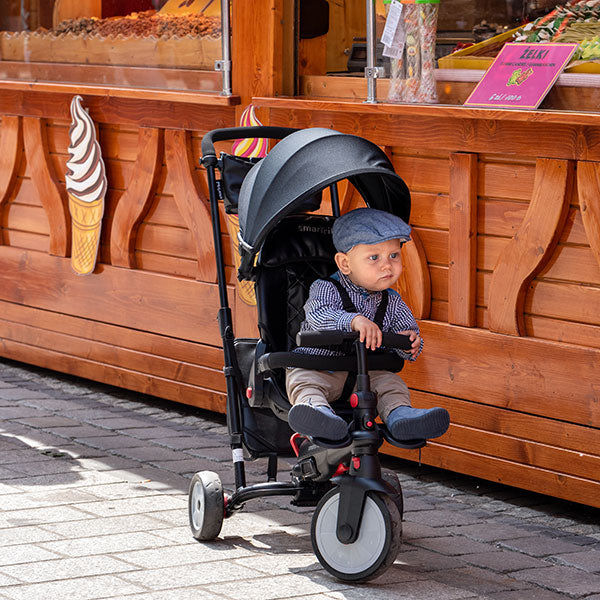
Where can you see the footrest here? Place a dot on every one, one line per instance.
(406, 444)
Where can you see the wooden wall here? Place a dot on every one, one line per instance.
(146, 318)
(504, 275)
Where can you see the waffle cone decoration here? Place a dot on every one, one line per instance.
(249, 148)
(86, 185)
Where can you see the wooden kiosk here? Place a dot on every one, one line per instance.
(503, 272)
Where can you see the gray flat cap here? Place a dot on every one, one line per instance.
(368, 226)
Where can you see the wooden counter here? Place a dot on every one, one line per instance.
(504, 277)
(146, 318)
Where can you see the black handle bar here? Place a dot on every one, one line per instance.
(315, 339)
(235, 133)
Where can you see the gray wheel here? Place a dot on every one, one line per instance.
(393, 479)
(206, 505)
(376, 546)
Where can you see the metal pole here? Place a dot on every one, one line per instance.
(224, 65)
(371, 71)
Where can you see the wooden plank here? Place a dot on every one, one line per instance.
(502, 376)
(502, 180)
(190, 200)
(139, 300)
(462, 239)
(141, 382)
(542, 481)
(10, 159)
(135, 202)
(53, 196)
(588, 179)
(562, 331)
(500, 217)
(532, 246)
(26, 240)
(435, 243)
(412, 169)
(137, 107)
(574, 302)
(429, 210)
(21, 217)
(144, 342)
(515, 425)
(439, 283)
(574, 264)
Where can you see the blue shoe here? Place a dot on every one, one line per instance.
(317, 421)
(408, 423)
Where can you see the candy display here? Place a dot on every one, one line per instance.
(412, 74)
(551, 27)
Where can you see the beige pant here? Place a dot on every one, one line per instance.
(324, 387)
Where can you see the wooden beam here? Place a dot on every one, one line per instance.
(588, 185)
(531, 247)
(51, 193)
(11, 143)
(190, 200)
(137, 199)
(415, 282)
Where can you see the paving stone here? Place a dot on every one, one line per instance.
(453, 545)
(134, 506)
(20, 412)
(488, 532)
(194, 593)
(539, 546)
(84, 588)
(587, 561)
(562, 579)
(25, 553)
(46, 422)
(187, 575)
(528, 594)
(438, 518)
(103, 526)
(41, 516)
(505, 562)
(477, 581)
(110, 442)
(19, 393)
(66, 568)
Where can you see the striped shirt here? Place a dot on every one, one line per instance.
(324, 310)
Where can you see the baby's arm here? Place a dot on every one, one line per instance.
(369, 332)
(404, 322)
(324, 309)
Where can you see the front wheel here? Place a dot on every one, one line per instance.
(206, 505)
(374, 550)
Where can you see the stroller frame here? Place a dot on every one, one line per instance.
(349, 482)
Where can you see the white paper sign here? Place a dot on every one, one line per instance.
(391, 23)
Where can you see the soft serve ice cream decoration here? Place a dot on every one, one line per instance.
(86, 186)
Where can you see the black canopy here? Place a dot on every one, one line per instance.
(303, 164)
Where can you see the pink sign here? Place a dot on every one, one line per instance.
(521, 75)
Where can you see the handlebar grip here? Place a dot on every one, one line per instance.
(234, 133)
(316, 339)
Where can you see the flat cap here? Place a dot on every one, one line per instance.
(367, 226)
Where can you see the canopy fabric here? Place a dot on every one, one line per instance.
(299, 167)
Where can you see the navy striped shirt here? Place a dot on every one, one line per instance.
(324, 310)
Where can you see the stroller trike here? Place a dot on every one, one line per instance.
(284, 247)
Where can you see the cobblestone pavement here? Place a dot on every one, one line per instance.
(93, 492)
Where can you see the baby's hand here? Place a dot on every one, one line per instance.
(415, 339)
(370, 334)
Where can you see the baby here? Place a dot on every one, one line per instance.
(358, 298)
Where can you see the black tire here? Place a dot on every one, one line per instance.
(374, 550)
(206, 505)
(393, 479)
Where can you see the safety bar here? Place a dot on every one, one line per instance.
(315, 339)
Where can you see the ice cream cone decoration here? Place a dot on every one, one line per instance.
(249, 148)
(86, 186)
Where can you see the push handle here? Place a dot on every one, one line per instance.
(235, 133)
(315, 339)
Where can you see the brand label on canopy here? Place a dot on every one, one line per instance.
(521, 75)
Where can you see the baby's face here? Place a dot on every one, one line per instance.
(374, 267)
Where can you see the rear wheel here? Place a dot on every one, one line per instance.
(376, 546)
(206, 505)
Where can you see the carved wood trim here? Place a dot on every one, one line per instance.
(11, 142)
(531, 247)
(53, 196)
(137, 200)
(588, 185)
(462, 247)
(415, 282)
(190, 200)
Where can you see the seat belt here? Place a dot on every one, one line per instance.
(350, 307)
